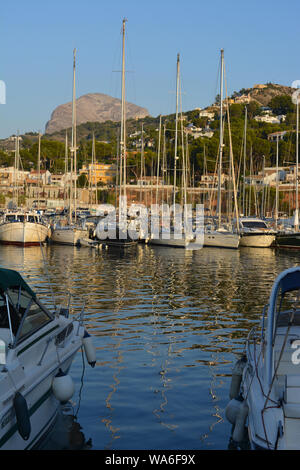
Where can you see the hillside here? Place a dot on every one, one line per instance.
(92, 107)
(263, 93)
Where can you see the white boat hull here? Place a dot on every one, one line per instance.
(221, 239)
(32, 375)
(68, 236)
(257, 240)
(23, 233)
(173, 242)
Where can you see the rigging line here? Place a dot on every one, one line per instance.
(81, 383)
(47, 272)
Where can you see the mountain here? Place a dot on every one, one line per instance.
(93, 107)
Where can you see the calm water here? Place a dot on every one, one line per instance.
(167, 325)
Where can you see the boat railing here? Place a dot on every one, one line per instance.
(253, 338)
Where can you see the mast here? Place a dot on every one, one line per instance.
(123, 120)
(176, 129)
(66, 165)
(74, 148)
(276, 197)
(39, 170)
(158, 160)
(296, 220)
(94, 169)
(142, 162)
(244, 170)
(221, 141)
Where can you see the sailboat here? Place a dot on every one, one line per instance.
(122, 238)
(291, 239)
(71, 233)
(169, 236)
(20, 227)
(220, 236)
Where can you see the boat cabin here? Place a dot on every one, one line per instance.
(21, 314)
(253, 224)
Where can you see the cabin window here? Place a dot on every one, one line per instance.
(254, 224)
(35, 318)
(288, 308)
(27, 315)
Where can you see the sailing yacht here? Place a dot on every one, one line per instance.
(221, 236)
(291, 238)
(71, 233)
(122, 238)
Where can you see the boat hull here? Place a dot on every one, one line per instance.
(23, 233)
(221, 240)
(68, 236)
(43, 408)
(288, 241)
(173, 242)
(257, 240)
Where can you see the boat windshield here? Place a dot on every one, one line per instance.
(22, 311)
(288, 308)
(254, 224)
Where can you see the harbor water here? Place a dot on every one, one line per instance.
(168, 325)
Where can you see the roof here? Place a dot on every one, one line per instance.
(10, 278)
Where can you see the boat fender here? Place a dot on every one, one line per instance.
(233, 408)
(22, 416)
(89, 348)
(62, 387)
(239, 428)
(236, 377)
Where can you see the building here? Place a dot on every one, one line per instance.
(207, 114)
(276, 135)
(150, 181)
(44, 176)
(267, 118)
(9, 177)
(100, 173)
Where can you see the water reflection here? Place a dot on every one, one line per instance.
(67, 434)
(167, 324)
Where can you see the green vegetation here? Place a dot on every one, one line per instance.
(202, 151)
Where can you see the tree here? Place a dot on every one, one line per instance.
(281, 104)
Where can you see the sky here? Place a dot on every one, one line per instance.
(260, 41)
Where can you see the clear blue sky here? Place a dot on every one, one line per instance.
(260, 40)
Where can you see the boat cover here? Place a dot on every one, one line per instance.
(10, 278)
(291, 281)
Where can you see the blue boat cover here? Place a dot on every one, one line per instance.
(290, 282)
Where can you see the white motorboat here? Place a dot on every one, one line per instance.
(265, 386)
(220, 238)
(255, 232)
(37, 348)
(23, 228)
